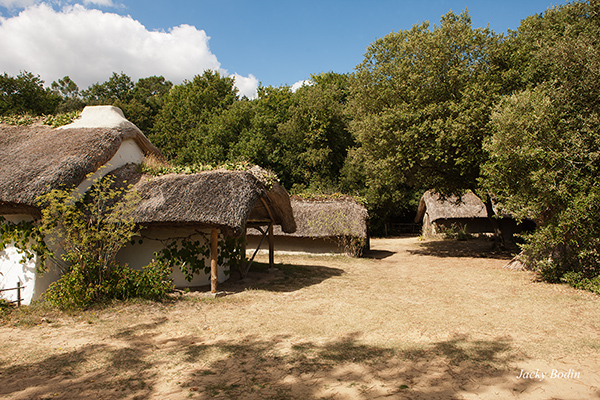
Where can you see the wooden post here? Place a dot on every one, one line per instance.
(242, 266)
(19, 293)
(271, 247)
(214, 267)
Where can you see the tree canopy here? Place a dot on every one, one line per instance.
(25, 93)
(544, 159)
(420, 104)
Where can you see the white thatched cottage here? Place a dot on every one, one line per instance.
(330, 225)
(36, 159)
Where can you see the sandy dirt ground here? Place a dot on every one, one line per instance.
(413, 320)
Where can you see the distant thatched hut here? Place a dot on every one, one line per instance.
(467, 213)
(323, 226)
(36, 159)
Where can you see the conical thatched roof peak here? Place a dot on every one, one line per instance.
(38, 158)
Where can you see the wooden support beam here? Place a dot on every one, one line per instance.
(271, 238)
(271, 247)
(242, 266)
(214, 266)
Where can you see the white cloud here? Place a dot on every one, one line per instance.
(17, 3)
(299, 84)
(89, 45)
(101, 3)
(246, 85)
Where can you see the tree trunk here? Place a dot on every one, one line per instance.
(499, 242)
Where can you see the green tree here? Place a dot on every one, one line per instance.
(88, 231)
(69, 91)
(262, 143)
(66, 87)
(146, 101)
(225, 130)
(140, 102)
(421, 101)
(545, 152)
(119, 87)
(186, 113)
(316, 137)
(25, 93)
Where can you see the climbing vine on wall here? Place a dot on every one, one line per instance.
(339, 228)
(190, 254)
(27, 238)
(231, 252)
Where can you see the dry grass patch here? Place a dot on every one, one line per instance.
(417, 320)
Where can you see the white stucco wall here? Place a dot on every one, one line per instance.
(139, 255)
(129, 153)
(12, 270)
(294, 245)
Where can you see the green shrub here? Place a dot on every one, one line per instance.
(457, 232)
(91, 230)
(4, 306)
(61, 119)
(577, 280)
(72, 290)
(152, 282)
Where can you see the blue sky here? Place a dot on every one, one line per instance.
(271, 42)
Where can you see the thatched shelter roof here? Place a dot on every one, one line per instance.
(468, 206)
(328, 217)
(212, 199)
(38, 158)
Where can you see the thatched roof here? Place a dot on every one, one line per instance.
(330, 217)
(38, 158)
(222, 199)
(469, 206)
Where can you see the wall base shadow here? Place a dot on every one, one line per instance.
(283, 278)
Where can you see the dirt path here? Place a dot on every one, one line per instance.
(414, 320)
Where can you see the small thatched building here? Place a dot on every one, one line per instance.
(195, 206)
(439, 214)
(323, 226)
(36, 159)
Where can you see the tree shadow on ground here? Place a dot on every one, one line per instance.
(475, 248)
(90, 371)
(256, 368)
(138, 364)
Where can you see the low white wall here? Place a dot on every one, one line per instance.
(294, 245)
(153, 240)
